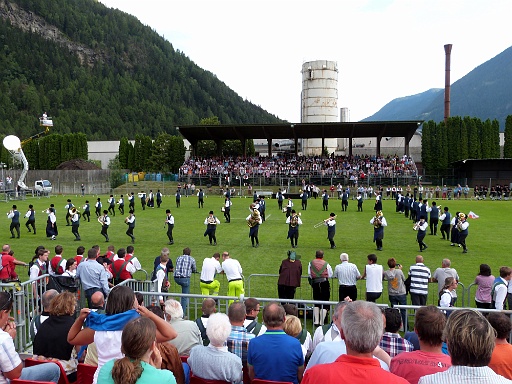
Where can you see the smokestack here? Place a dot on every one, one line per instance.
(448, 52)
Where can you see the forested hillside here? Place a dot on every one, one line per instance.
(101, 72)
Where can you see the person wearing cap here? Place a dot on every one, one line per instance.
(319, 272)
(293, 222)
(14, 215)
(169, 220)
(68, 207)
(462, 227)
(378, 222)
(31, 216)
(254, 221)
(211, 223)
(290, 273)
(331, 229)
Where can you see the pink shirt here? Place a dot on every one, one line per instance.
(483, 293)
(414, 365)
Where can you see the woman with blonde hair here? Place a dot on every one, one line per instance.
(142, 360)
(293, 327)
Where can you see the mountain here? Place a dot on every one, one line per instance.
(100, 71)
(485, 92)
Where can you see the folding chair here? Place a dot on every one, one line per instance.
(18, 381)
(85, 373)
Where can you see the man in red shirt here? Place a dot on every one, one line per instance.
(361, 328)
(121, 268)
(7, 271)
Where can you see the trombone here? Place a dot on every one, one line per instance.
(318, 225)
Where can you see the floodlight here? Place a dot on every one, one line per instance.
(12, 143)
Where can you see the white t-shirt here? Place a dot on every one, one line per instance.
(108, 344)
(374, 278)
(232, 269)
(9, 358)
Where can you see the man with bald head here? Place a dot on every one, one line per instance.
(420, 277)
(275, 355)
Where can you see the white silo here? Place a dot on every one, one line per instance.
(319, 102)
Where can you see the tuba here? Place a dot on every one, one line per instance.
(254, 219)
(377, 220)
(101, 219)
(211, 220)
(294, 220)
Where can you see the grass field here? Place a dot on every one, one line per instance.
(487, 241)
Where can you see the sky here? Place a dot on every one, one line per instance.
(384, 49)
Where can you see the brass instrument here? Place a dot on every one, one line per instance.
(10, 212)
(294, 219)
(101, 219)
(320, 224)
(254, 219)
(416, 226)
(377, 222)
(211, 220)
(223, 209)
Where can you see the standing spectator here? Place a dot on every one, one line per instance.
(470, 339)
(319, 271)
(233, 271)
(215, 362)
(501, 359)
(392, 343)
(208, 284)
(484, 280)
(420, 277)
(361, 328)
(347, 275)
(396, 287)
(440, 275)
(8, 264)
(373, 273)
(275, 355)
(185, 266)
(500, 288)
(93, 276)
(239, 338)
(429, 324)
(290, 273)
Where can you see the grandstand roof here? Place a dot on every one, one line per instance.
(378, 129)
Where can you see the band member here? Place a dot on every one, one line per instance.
(280, 199)
(360, 201)
(325, 200)
(51, 224)
(262, 208)
(344, 200)
(331, 229)
(289, 206)
(82, 188)
(31, 216)
(158, 198)
(130, 221)
(254, 221)
(112, 205)
(211, 223)
(75, 223)
(178, 198)
(169, 220)
(98, 207)
(151, 199)
(304, 199)
(434, 218)
(120, 202)
(462, 227)
(319, 271)
(293, 222)
(87, 211)
(421, 226)
(200, 198)
(105, 223)
(131, 202)
(454, 231)
(143, 201)
(378, 222)
(227, 209)
(445, 219)
(14, 215)
(378, 201)
(68, 207)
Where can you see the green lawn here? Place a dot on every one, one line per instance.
(487, 241)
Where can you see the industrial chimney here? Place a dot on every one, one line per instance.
(448, 52)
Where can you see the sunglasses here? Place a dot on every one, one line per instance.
(7, 303)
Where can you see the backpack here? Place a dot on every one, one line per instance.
(254, 327)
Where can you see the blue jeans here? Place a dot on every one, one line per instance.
(400, 300)
(185, 288)
(41, 372)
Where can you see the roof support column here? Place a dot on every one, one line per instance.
(296, 146)
(269, 147)
(218, 144)
(350, 145)
(244, 147)
(379, 138)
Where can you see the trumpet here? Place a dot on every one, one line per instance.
(416, 226)
(377, 222)
(47, 211)
(8, 213)
(223, 209)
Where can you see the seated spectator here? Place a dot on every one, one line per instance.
(275, 355)
(141, 362)
(11, 366)
(252, 310)
(208, 308)
(501, 359)
(188, 332)
(105, 330)
(293, 327)
(51, 342)
(470, 340)
(291, 309)
(36, 322)
(215, 362)
(239, 338)
(392, 343)
(361, 329)
(429, 324)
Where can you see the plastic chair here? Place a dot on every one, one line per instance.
(184, 359)
(85, 373)
(261, 381)
(18, 381)
(63, 377)
(198, 380)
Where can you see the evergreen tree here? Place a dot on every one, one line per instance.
(507, 147)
